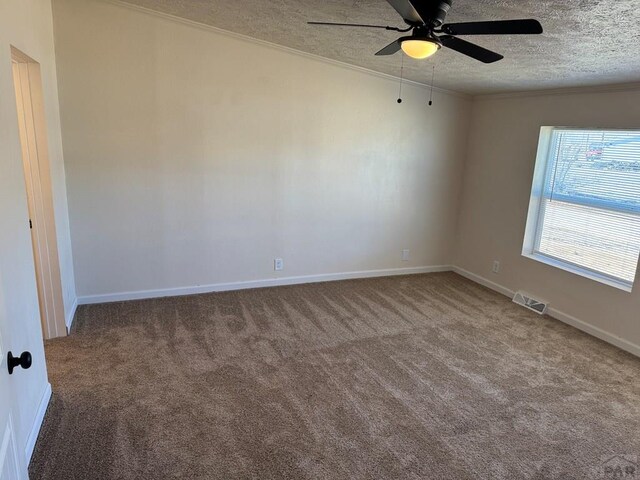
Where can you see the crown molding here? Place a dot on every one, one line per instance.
(609, 88)
(281, 48)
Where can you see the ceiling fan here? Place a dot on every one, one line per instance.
(425, 19)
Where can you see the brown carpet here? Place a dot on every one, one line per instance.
(418, 377)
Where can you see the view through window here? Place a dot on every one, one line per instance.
(586, 215)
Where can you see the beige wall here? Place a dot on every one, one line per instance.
(496, 190)
(183, 170)
(27, 25)
(195, 158)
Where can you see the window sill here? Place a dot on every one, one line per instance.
(583, 272)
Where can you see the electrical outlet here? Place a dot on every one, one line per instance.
(496, 266)
(278, 264)
(405, 255)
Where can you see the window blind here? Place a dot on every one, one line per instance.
(589, 215)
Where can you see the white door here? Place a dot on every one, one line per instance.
(11, 461)
(19, 313)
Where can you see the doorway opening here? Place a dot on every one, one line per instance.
(27, 81)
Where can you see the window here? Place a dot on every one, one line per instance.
(584, 214)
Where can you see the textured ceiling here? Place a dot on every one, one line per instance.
(586, 42)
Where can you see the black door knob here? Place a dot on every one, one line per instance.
(23, 361)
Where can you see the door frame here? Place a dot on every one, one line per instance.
(35, 156)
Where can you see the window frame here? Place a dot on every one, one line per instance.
(533, 230)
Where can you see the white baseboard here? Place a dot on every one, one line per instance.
(595, 331)
(483, 281)
(270, 282)
(37, 423)
(71, 314)
(559, 315)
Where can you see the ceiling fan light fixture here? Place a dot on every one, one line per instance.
(419, 48)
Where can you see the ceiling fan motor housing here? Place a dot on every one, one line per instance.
(438, 13)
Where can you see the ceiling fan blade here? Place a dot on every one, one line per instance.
(331, 24)
(499, 27)
(390, 49)
(406, 11)
(470, 49)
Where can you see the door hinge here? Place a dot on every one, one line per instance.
(30, 224)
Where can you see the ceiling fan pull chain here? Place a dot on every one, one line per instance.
(401, 78)
(433, 76)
